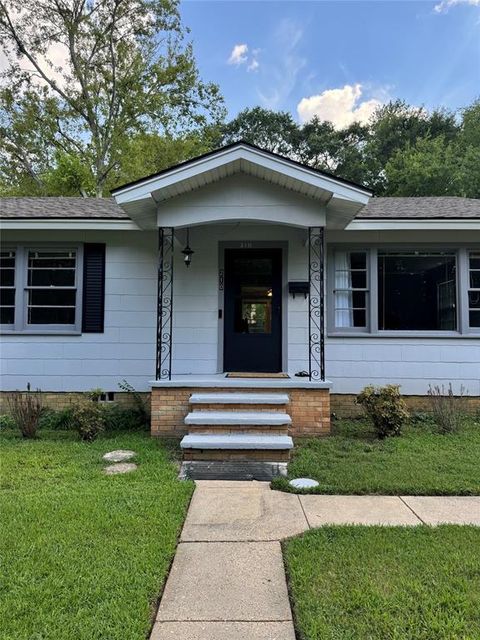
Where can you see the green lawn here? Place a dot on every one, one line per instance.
(84, 556)
(419, 462)
(386, 583)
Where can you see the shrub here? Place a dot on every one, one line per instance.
(141, 406)
(119, 418)
(448, 410)
(26, 410)
(385, 408)
(56, 420)
(88, 418)
(6, 421)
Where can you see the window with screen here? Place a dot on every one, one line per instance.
(51, 287)
(7, 287)
(474, 290)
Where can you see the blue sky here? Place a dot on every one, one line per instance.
(337, 59)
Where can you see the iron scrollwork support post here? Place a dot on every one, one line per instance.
(316, 303)
(165, 304)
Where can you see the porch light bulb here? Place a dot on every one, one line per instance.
(188, 252)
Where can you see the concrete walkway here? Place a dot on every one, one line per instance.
(227, 579)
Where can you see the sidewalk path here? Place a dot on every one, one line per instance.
(227, 578)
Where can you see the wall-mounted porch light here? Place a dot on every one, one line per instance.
(188, 252)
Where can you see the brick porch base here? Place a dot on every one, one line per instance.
(309, 409)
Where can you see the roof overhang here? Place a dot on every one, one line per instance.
(143, 199)
(414, 224)
(68, 224)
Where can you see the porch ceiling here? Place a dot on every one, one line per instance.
(340, 199)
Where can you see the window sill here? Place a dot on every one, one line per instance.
(404, 334)
(40, 332)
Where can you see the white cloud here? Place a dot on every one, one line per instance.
(445, 5)
(340, 106)
(238, 55)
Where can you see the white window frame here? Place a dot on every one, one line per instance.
(332, 273)
(20, 325)
(462, 287)
(470, 288)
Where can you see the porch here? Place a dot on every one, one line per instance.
(241, 277)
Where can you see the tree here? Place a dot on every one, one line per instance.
(395, 126)
(270, 130)
(429, 167)
(127, 69)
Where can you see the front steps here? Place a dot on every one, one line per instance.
(237, 436)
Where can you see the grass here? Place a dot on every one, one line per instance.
(386, 583)
(420, 462)
(84, 556)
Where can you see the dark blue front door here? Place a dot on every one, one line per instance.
(253, 310)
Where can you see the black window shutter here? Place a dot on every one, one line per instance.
(93, 288)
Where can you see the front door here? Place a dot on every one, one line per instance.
(253, 310)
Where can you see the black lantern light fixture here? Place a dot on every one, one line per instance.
(188, 252)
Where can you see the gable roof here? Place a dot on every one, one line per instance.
(61, 208)
(247, 145)
(418, 208)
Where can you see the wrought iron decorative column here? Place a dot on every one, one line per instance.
(165, 304)
(316, 302)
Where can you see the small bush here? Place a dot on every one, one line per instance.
(448, 410)
(6, 421)
(56, 420)
(385, 408)
(88, 418)
(118, 418)
(26, 410)
(141, 406)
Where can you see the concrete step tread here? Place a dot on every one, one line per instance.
(224, 418)
(239, 398)
(229, 441)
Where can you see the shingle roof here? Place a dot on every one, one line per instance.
(106, 208)
(61, 207)
(427, 207)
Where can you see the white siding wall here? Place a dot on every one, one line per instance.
(127, 348)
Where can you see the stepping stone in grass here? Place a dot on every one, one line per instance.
(120, 455)
(121, 467)
(303, 483)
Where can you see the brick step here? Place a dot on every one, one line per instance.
(237, 455)
(243, 418)
(244, 408)
(235, 398)
(238, 428)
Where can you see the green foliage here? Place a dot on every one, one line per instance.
(121, 76)
(448, 410)
(6, 421)
(26, 410)
(429, 166)
(118, 418)
(52, 420)
(142, 408)
(385, 583)
(92, 551)
(88, 418)
(385, 408)
(422, 462)
(402, 151)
